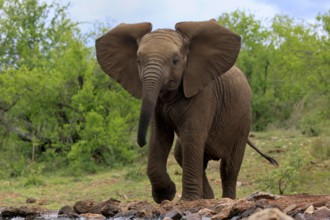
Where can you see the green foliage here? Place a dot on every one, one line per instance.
(57, 108)
(321, 148)
(33, 176)
(284, 62)
(287, 177)
(30, 31)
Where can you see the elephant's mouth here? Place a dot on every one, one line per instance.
(172, 85)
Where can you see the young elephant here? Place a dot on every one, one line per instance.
(189, 87)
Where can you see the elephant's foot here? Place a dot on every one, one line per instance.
(190, 197)
(160, 194)
(208, 193)
(229, 192)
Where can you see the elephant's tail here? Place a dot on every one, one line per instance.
(270, 159)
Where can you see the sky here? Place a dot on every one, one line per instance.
(166, 13)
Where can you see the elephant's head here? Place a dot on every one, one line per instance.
(148, 63)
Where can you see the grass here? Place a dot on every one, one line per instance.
(131, 183)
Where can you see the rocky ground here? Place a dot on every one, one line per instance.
(257, 206)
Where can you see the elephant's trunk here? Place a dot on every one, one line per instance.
(151, 86)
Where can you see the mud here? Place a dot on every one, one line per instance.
(256, 206)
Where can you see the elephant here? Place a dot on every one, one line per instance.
(190, 88)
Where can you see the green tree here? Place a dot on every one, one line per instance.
(284, 60)
(57, 108)
(286, 178)
(31, 31)
(254, 60)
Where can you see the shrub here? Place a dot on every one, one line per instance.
(320, 148)
(286, 178)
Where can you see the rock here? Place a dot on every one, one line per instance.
(110, 210)
(299, 216)
(126, 215)
(256, 210)
(321, 213)
(88, 206)
(262, 195)
(23, 211)
(240, 206)
(222, 207)
(262, 203)
(250, 211)
(223, 211)
(267, 214)
(206, 212)
(31, 200)
(290, 208)
(310, 210)
(327, 205)
(11, 213)
(192, 216)
(232, 208)
(175, 215)
(301, 207)
(323, 208)
(83, 206)
(220, 216)
(113, 201)
(142, 209)
(92, 216)
(67, 211)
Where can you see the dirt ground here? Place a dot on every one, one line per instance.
(256, 206)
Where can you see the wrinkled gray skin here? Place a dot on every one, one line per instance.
(189, 87)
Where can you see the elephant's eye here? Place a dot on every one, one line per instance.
(175, 61)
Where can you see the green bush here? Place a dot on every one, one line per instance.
(311, 115)
(60, 111)
(284, 63)
(57, 107)
(320, 148)
(286, 178)
(34, 171)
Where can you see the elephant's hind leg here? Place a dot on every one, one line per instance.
(229, 169)
(207, 189)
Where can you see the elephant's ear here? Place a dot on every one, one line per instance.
(213, 50)
(116, 54)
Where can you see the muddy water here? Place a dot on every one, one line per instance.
(50, 215)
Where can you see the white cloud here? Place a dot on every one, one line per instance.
(164, 14)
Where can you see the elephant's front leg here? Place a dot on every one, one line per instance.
(192, 165)
(207, 189)
(160, 145)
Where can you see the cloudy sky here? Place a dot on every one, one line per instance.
(165, 13)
